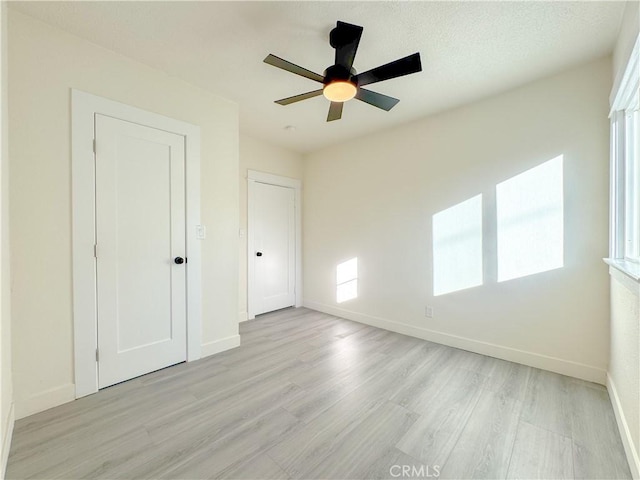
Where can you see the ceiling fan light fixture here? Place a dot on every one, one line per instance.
(339, 91)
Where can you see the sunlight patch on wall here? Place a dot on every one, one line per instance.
(457, 247)
(347, 280)
(530, 218)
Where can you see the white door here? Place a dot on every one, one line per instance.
(140, 232)
(273, 231)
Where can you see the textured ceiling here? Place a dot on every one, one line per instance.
(469, 50)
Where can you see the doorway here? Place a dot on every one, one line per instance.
(273, 248)
(136, 250)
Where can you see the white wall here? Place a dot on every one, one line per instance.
(45, 63)
(259, 155)
(6, 384)
(373, 198)
(624, 361)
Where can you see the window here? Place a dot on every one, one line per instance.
(625, 165)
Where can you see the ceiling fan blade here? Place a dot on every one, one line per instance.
(335, 111)
(345, 38)
(398, 68)
(298, 98)
(376, 99)
(293, 68)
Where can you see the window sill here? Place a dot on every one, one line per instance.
(629, 269)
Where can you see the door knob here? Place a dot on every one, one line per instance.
(258, 254)
(178, 260)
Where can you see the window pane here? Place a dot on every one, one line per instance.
(457, 247)
(632, 186)
(530, 221)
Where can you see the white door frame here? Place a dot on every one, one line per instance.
(85, 326)
(254, 177)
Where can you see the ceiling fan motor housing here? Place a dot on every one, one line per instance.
(339, 73)
(339, 37)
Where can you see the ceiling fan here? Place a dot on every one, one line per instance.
(341, 82)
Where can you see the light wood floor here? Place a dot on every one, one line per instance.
(308, 395)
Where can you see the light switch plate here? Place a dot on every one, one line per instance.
(201, 232)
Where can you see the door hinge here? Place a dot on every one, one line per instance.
(94, 145)
(97, 355)
(95, 250)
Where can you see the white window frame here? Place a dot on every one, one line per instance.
(624, 245)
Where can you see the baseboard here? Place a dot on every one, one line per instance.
(625, 433)
(217, 346)
(45, 400)
(553, 364)
(242, 317)
(6, 441)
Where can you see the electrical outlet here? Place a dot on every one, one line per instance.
(428, 311)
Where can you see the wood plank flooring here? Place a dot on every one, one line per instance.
(312, 396)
